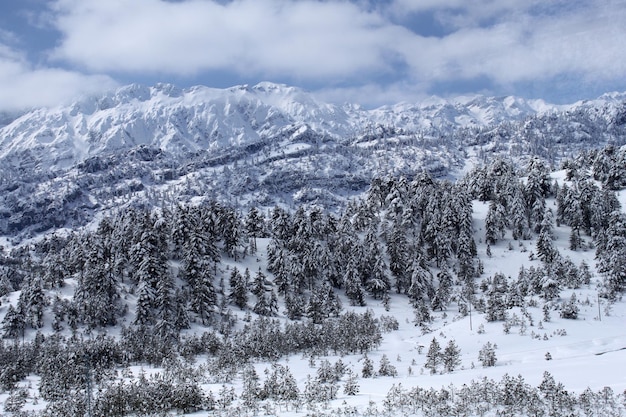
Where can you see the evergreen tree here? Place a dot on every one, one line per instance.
(280, 385)
(536, 190)
(518, 214)
(385, 368)
(351, 386)
(267, 304)
(238, 289)
(165, 309)
(612, 257)
(254, 226)
(443, 291)
(374, 267)
(231, 231)
(323, 303)
(32, 302)
(13, 324)
(495, 223)
(433, 357)
(496, 289)
(487, 355)
(354, 289)
(294, 306)
(545, 242)
(569, 309)
(96, 295)
(203, 295)
(144, 314)
(421, 281)
(397, 249)
(368, 367)
(181, 315)
(451, 357)
(251, 390)
(260, 284)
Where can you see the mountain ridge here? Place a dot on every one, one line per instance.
(266, 145)
(202, 117)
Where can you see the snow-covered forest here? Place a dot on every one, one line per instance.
(422, 297)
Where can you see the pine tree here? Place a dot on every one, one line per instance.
(374, 267)
(280, 384)
(294, 306)
(323, 303)
(267, 304)
(569, 309)
(165, 309)
(203, 295)
(279, 263)
(198, 260)
(32, 302)
(13, 324)
(254, 226)
(536, 190)
(496, 289)
(354, 288)
(397, 249)
(238, 289)
(351, 386)
(260, 284)
(421, 281)
(231, 232)
(251, 390)
(96, 295)
(487, 355)
(368, 367)
(181, 315)
(433, 357)
(451, 356)
(518, 214)
(495, 223)
(545, 242)
(144, 314)
(385, 367)
(612, 257)
(443, 291)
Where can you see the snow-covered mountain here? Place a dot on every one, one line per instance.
(277, 144)
(202, 118)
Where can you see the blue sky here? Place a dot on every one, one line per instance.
(363, 51)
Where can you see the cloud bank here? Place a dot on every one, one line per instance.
(365, 49)
(24, 86)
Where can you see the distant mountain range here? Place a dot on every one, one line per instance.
(263, 145)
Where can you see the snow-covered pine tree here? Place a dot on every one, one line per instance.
(385, 368)
(451, 356)
(255, 224)
(487, 355)
(546, 250)
(351, 386)
(238, 289)
(433, 356)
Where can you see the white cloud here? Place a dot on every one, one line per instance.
(23, 86)
(304, 39)
(586, 41)
(336, 41)
(357, 52)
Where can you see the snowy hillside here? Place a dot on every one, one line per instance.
(498, 294)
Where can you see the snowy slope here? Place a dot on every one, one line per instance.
(588, 352)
